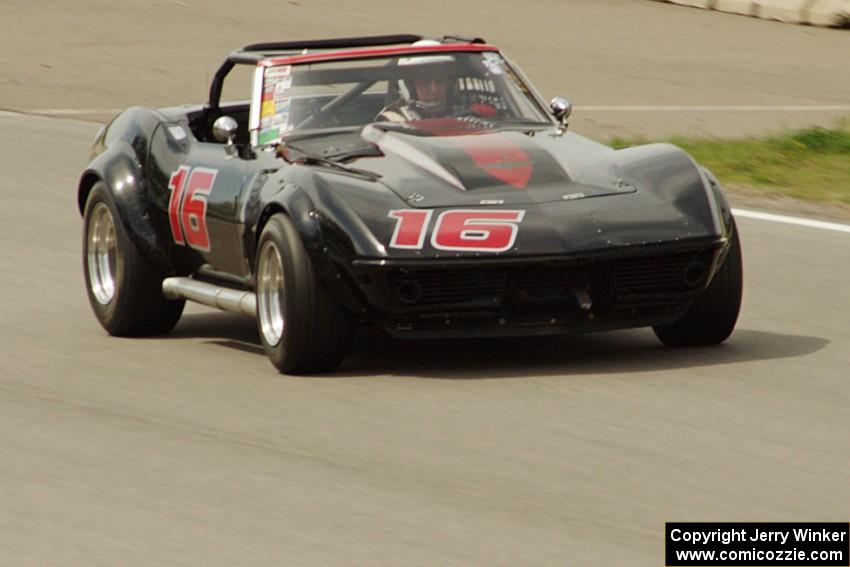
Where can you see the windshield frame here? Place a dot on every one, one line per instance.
(520, 82)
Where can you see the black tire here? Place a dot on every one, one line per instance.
(124, 289)
(712, 317)
(302, 328)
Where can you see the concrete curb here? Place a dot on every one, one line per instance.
(828, 13)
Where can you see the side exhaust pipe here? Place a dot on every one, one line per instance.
(216, 296)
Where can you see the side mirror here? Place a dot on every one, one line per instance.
(224, 129)
(561, 109)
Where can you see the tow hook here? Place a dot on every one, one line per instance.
(583, 300)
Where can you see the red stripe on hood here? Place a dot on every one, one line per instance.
(492, 152)
(499, 157)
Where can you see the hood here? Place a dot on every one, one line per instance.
(452, 163)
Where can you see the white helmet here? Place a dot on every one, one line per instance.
(425, 59)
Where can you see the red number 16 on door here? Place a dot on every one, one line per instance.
(187, 206)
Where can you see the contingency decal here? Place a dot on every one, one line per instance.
(460, 230)
(276, 105)
(187, 207)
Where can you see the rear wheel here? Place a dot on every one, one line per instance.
(302, 328)
(124, 289)
(712, 317)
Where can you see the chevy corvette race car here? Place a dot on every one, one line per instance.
(340, 193)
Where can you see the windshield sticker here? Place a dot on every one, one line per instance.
(274, 114)
(517, 83)
(281, 87)
(269, 136)
(278, 72)
(268, 108)
(493, 62)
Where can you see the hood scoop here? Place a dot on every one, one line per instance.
(393, 144)
(434, 164)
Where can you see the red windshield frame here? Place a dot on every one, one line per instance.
(375, 53)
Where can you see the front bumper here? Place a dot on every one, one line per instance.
(531, 296)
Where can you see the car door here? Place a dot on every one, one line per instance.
(196, 187)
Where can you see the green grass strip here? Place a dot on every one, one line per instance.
(812, 164)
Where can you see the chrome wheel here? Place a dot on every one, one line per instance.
(270, 293)
(102, 254)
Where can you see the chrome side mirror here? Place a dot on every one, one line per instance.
(561, 109)
(224, 130)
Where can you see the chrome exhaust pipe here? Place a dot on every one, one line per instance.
(223, 298)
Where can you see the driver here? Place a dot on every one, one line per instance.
(429, 94)
(428, 99)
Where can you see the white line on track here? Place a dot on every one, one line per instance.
(72, 111)
(792, 220)
(718, 108)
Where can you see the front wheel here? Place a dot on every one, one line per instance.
(302, 328)
(712, 317)
(124, 289)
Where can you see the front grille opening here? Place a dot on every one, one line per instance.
(695, 274)
(409, 291)
(432, 287)
(608, 282)
(677, 273)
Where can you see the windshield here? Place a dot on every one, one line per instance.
(455, 90)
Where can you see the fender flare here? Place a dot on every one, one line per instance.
(325, 245)
(123, 178)
(673, 176)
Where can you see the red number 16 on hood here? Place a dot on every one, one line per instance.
(462, 230)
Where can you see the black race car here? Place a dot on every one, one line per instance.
(420, 185)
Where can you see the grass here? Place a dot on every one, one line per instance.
(811, 164)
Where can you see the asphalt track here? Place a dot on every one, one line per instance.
(190, 450)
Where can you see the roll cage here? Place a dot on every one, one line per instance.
(255, 53)
(263, 56)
